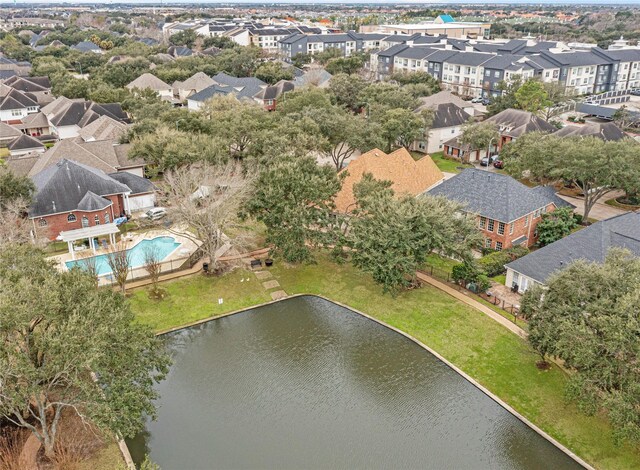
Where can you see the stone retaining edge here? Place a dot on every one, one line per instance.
(466, 376)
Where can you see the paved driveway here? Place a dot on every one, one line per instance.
(599, 211)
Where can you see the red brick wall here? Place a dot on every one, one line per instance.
(519, 229)
(59, 222)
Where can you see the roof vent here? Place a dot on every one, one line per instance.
(53, 204)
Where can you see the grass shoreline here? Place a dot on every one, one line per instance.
(494, 357)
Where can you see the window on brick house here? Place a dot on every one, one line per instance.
(490, 225)
(42, 222)
(500, 228)
(526, 220)
(498, 246)
(96, 220)
(487, 243)
(71, 218)
(85, 221)
(511, 228)
(483, 222)
(107, 218)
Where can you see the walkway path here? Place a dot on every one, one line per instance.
(269, 283)
(472, 303)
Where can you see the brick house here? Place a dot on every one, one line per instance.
(511, 124)
(70, 195)
(508, 212)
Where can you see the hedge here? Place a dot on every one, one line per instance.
(493, 264)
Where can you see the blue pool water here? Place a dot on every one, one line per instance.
(163, 245)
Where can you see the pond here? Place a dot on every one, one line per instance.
(306, 383)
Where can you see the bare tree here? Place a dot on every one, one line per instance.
(207, 200)
(89, 264)
(153, 266)
(119, 261)
(14, 225)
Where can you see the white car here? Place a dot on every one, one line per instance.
(155, 213)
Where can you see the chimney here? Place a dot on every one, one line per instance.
(468, 48)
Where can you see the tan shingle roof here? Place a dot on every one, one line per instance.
(407, 175)
(103, 128)
(8, 132)
(147, 80)
(442, 97)
(198, 81)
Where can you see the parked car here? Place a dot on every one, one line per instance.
(486, 101)
(486, 161)
(498, 163)
(477, 100)
(155, 213)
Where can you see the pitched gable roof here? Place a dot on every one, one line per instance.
(92, 202)
(449, 115)
(246, 87)
(148, 80)
(25, 142)
(198, 81)
(61, 187)
(515, 122)
(442, 97)
(494, 195)
(605, 131)
(591, 244)
(8, 132)
(103, 128)
(407, 175)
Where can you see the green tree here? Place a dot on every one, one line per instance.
(294, 199)
(273, 72)
(400, 127)
(345, 90)
(532, 96)
(380, 97)
(58, 330)
(184, 38)
(390, 238)
(506, 99)
(418, 78)
(13, 188)
(588, 318)
(594, 166)
(348, 65)
(480, 135)
(221, 42)
(555, 225)
(300, 60)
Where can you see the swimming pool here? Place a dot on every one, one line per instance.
(164, 246)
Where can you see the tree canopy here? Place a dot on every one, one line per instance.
(59, 328)
(588, 317)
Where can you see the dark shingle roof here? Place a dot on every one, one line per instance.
(605, 131)
(515, 122)
(92, 202)
(449, 115)
(137, 184)
(25, 142)
(493, 195)
(246, 87)
(590, 244)
(61, 187)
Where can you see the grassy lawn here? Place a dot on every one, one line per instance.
(442, 263)
(450, 165)
(495, 357)
(109, 458)
(195, 297)
(500, 278)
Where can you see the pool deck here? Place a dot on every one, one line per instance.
(182, 253)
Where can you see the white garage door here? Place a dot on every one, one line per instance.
(141, 202)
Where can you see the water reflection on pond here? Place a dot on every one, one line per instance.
(305, 383)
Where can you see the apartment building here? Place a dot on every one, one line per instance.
(472, 69)
(348, 43)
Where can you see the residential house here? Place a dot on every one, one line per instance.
(87, 46)
(38, 87)
(179, 51)
(507, 212)
(35, 125)
(590, 244)
(407, 175)
(105, 155)
(16, 67)
(241, 87)
(511, 124)
(151, 82)
(450, 113)
(347, 43)
(194, 84)
(16, 105)
(25, 144)
(270, 95)
(70, 195)
(104, 128)
(311, 77)
(67, 117)
(606, 131)
(8, 134)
